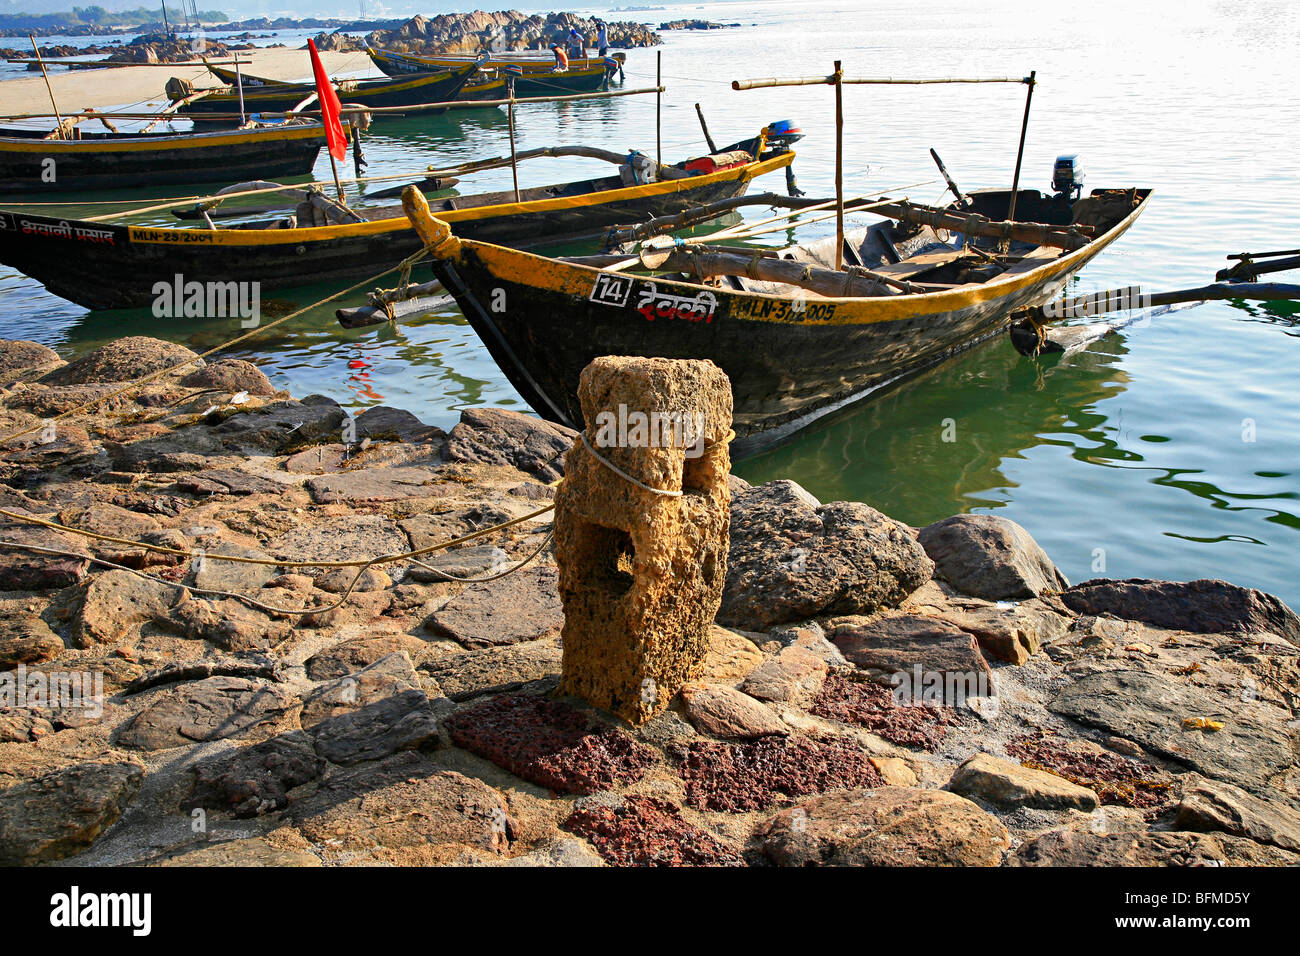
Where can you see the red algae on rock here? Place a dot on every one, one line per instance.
(741, 777)
(549, 744)
(872, 707)
(646, 831)
(1119, 781)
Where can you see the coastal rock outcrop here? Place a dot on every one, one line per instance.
(503, 30)
(990, 557)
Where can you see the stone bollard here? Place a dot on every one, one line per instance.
(641, 572)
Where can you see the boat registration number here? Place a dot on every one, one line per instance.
(140, 234)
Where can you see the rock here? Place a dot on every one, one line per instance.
(509, 29)
(22, 361)
(107, 519)
(1203, 606)
(497, 436)
(63, 812)
(404, 721)
(228, 481)
(215, 574)
(350, 656)
(1007, 785)
(437, 527)
(20, 726)
(26, 639)
(230, 375)
(382, 423)
(1251, 748)
(22, 570)
(990, 557)
(337, 42)
(459, 563)
(254, 780)
(375, 484)
(919, 721)
(522, 607)
(1153, 848)
(403, 810)
(895, 771)
(1211, 805)
(722, 711)
(731, 657)
(342, 580)
(494, 670)
(228, 623)
(281, 426)
(122, 360)
(793, 558)
(115, 602)
(1012, 634)
(641, 574)
(239, 665)
(914, 649)
(558, 853)
(317, 460)
(345, 538)
(387, 676)
(253, 851)
(885, 826)
(211, 709)
(794, 675)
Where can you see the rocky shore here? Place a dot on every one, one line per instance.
(503, 30)
(278, 714)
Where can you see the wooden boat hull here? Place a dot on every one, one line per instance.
(104, 266)
(33, 166)
(440, 87)
(787, 366)
(400, 64)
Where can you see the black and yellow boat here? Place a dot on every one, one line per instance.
(798, 336)
(262, 96)
(537, 76)
(108, 266)
(33, 165)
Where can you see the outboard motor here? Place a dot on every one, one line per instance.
(1067, 177)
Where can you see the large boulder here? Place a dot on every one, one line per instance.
(498, 436)
(884, 826)
(1203, 606)
(793, 558)
(1007, 785)
(990, 557)
(123, 360)
(63, 812)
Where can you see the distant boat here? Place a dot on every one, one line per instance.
(32, 165)
(797, 337)
(537, 78)
(108, 266)
(530, 61)
(269, 96)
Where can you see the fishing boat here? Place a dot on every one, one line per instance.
(274, 97)
(536, 61)
(534, 77)
(33, 164)
(108, 266)
(798, 336)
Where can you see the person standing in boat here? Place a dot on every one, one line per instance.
(602, 37)
(577, 44)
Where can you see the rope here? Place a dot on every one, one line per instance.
(623, 474)
(273, 562)
(131, 386)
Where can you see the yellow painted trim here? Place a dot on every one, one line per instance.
(178, 141)
(277, 237)
(564, 278)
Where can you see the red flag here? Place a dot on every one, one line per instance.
(329, 106)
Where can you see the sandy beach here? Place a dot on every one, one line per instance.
(142, 86)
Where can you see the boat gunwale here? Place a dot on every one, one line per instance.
(148, 141)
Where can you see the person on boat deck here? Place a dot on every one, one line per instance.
(577, 45)
(561, 59)
(602, 37)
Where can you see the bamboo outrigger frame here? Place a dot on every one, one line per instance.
(838, 80)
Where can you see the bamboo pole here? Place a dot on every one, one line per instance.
(1020, 151)
(864, 80)
(510, 117)
(239, 83)
(713, 147)
(839, 165)
(659, 107)
(41, 60)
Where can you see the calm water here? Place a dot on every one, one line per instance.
(1134, 458)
